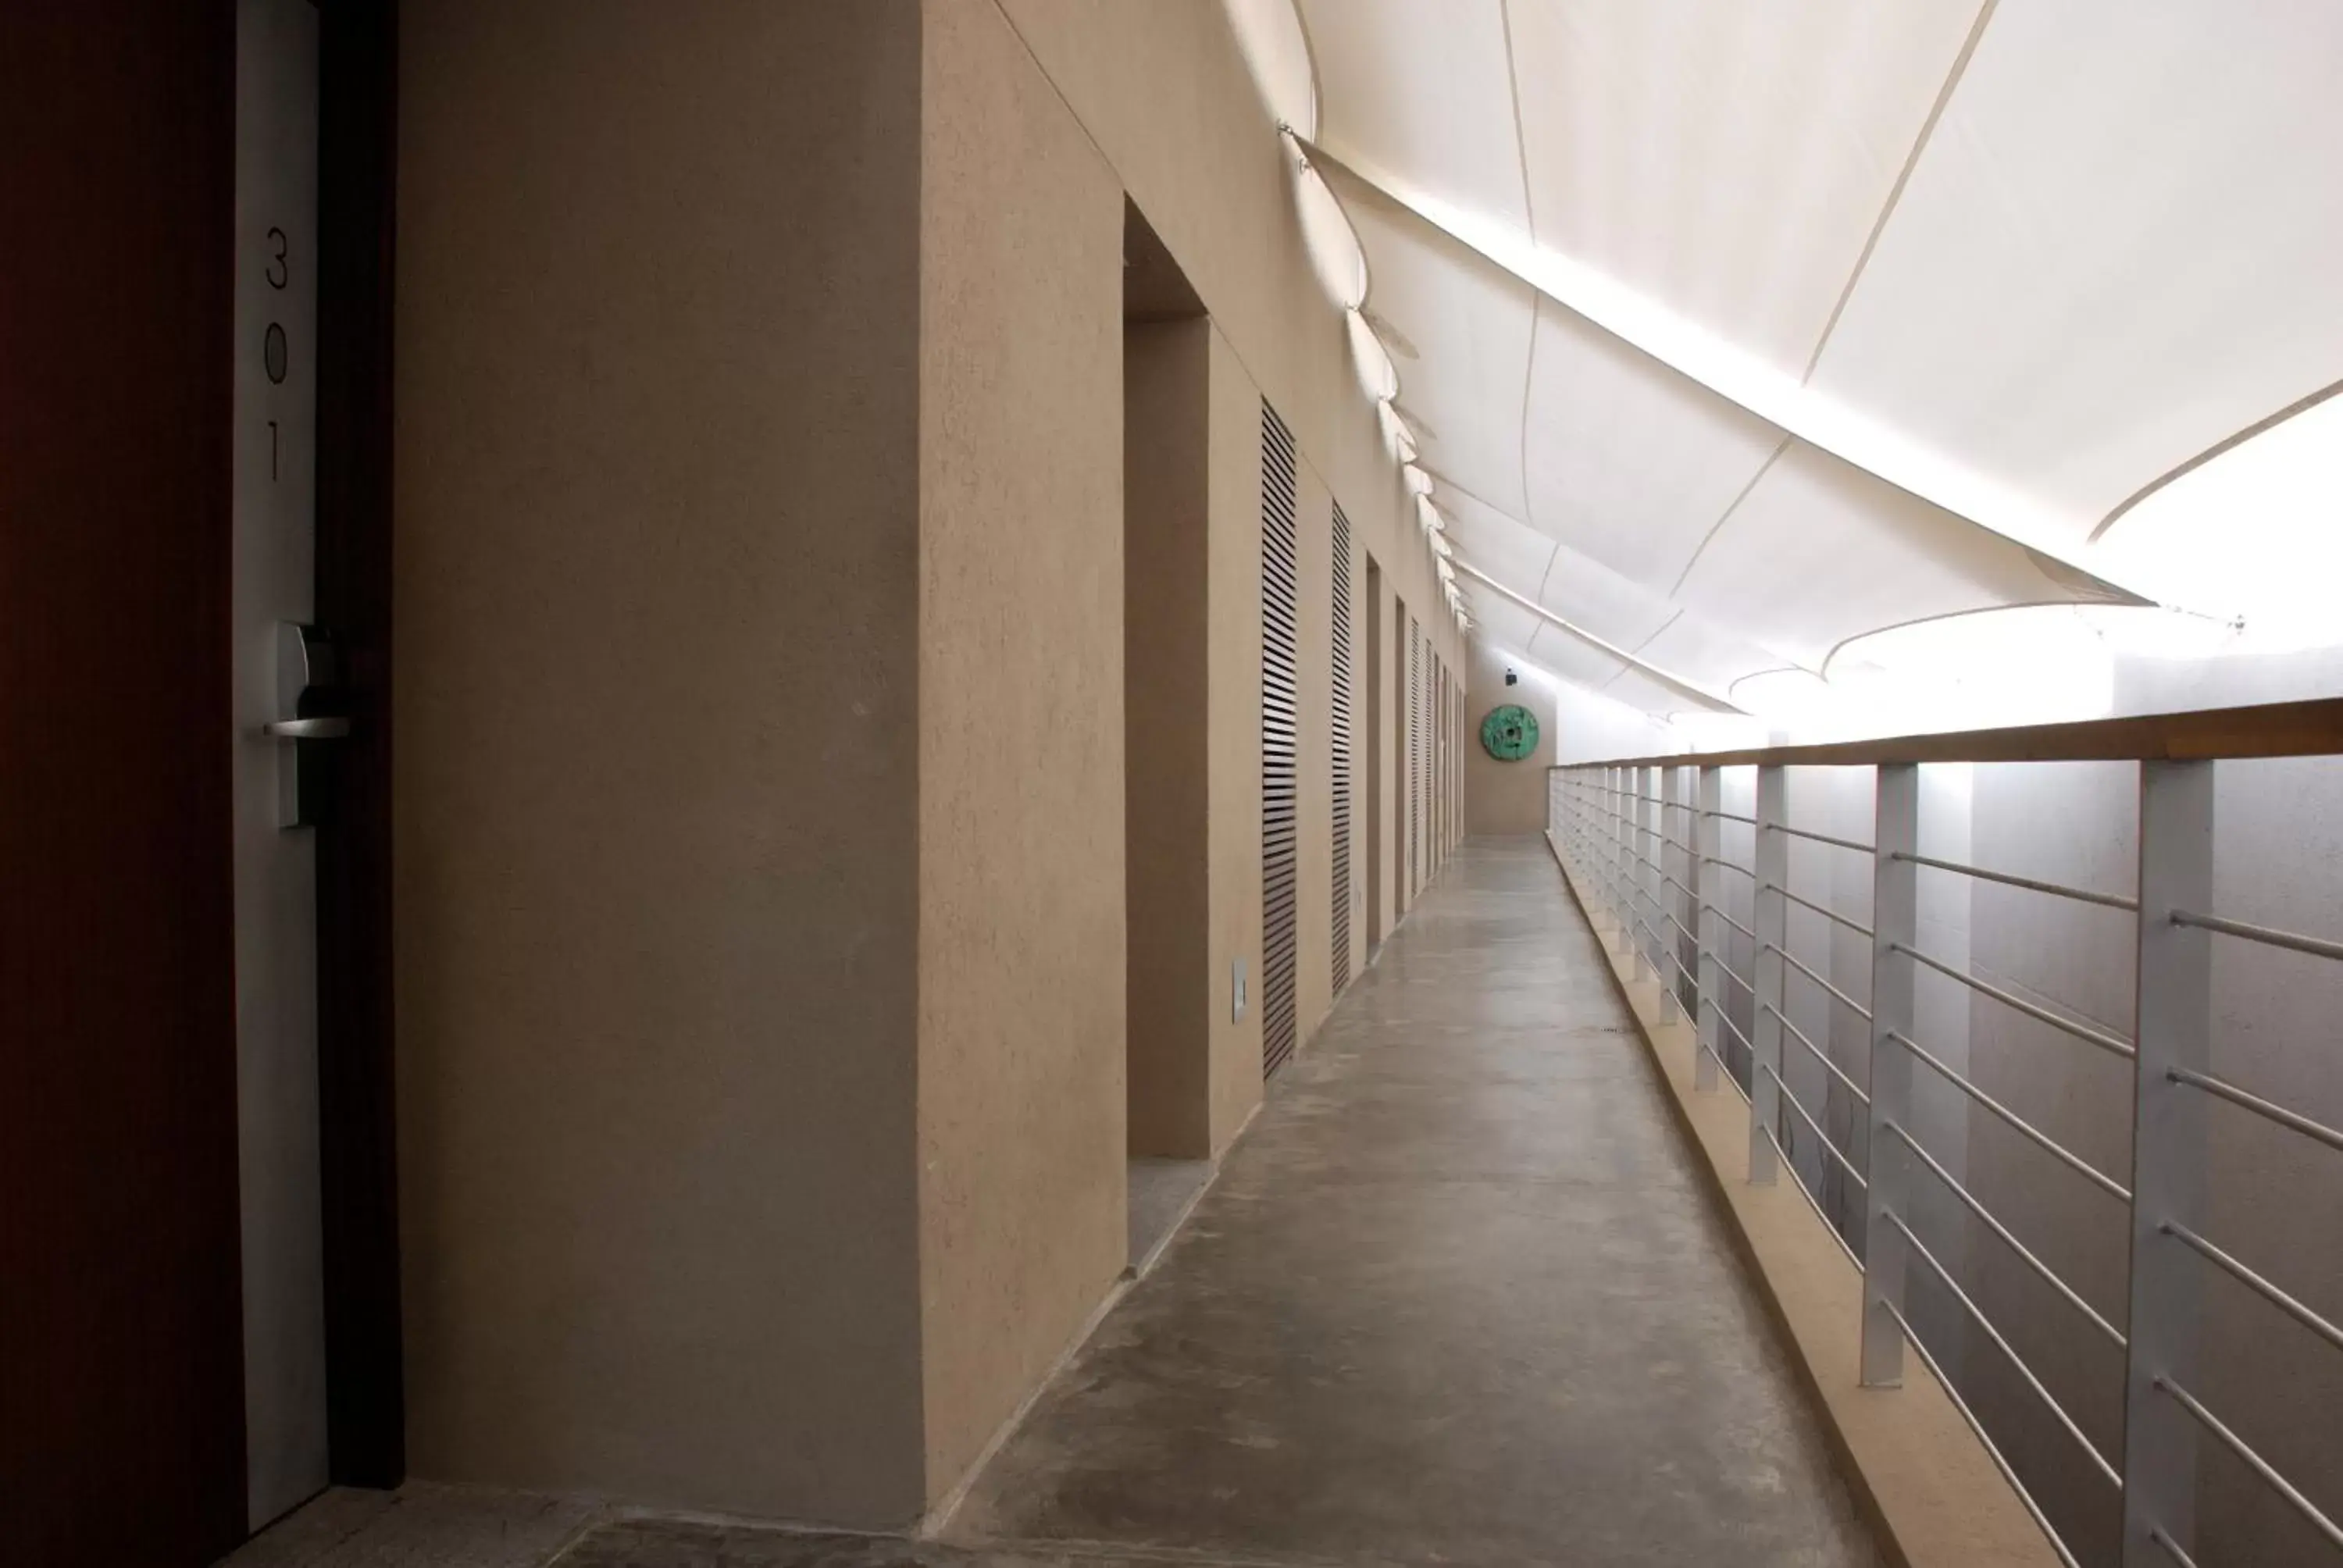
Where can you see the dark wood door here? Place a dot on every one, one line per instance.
(121, 1384)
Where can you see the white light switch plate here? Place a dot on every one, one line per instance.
(1237, 991)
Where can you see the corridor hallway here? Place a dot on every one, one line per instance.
(1456, 1297)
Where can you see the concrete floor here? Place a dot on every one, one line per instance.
(1454, 1299)
(1161, 1192)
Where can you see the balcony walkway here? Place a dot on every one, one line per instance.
(1456, 1298)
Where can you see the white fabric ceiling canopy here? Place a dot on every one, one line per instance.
(1998, 267)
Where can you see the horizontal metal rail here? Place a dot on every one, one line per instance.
(1823, 838)
(1725, 1019)
(1846, 1000)
(1818, 1052)
(1731, 817)
(1729, 920)
(2171, 1547)
(2269, 1292)
(1992, 1450)
(1721, 1063)
(1712, 860)
(2254, 1461)
(2269, 936)
(1857, 926)
(2050, 1276)
(1977, 1316)
(2107, 1043)
(1687, 934)
(2258, 1105)
(2111, 900)
(1804, 1191)
(1829, 1147)
(2049, 1145)
(1728, 972)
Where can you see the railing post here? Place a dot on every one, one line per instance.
(1895, 917)
(1773, 866)
(1670, 811)
(1569, 821)
(1710, 838)
(1647, 817)
(1622, 830)
(1607, 826)
(2168, 1150)
(1582, 817)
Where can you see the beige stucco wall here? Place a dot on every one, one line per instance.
(1313, 675)
(1386, 743)
(1234, 656)
(1019, 614)
(760, 783)
(1354, 593)
(1163, 92)
(1505, 797)
(657, 775)
(1167, 733)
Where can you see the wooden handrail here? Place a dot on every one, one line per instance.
(2313, 729)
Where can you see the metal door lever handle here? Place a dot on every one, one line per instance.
(307, 729)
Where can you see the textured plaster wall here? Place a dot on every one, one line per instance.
(656, 778)
(1354, 597)
(760, 885)
(1506, 797)
(1021, 1092)
(1233, 657)
(1313, 921)
(1164, 93)
(1167, 733)
(1397, 891)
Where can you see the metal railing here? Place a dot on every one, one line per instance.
(1607, 820)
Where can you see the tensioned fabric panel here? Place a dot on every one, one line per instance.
(1632, 462)
(2030, 258)
(2120, 249)
(1647, 474)
(1727, 162)
(1591, 595)
(1508, 550)
(1462, 344)
(1890, 556)
(1407, 86)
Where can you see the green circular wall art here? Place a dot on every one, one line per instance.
(1508, 733)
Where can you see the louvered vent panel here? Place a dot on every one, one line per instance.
(1280, 751)
(1341, 710)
